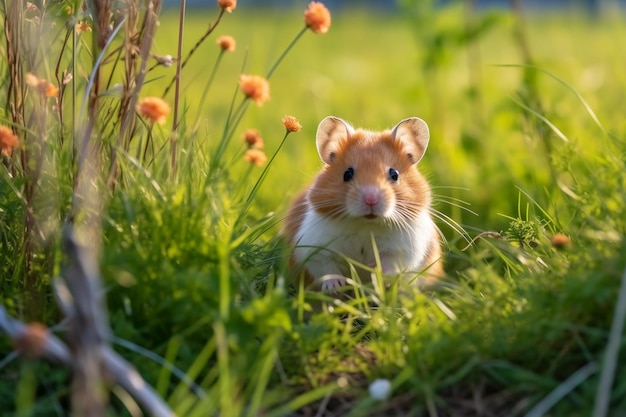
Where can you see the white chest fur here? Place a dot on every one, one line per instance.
(324, 243)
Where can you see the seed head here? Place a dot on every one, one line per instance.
(154, 108)
(227, 43)
(317, 17)
(227, 5)
(253, 139)
(8, 141)
(560, 241)
(255, 87)
(32, 342)
(255, 156)
(291, 124)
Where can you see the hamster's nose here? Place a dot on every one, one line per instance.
(371, 195)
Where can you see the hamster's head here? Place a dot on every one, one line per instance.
(371, 176)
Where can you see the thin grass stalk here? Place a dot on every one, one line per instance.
(179, 68)
(259, 181)
(223, 361)
(285, 52)
(182, 65)
(101, 40)
(573, 381)
(226, 137)
(207, 87)
(611, 355)
(90, 99)
(130, 68)
(261, 382)
(61, 83)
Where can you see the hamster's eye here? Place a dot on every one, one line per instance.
(347, 176)
(393, 174)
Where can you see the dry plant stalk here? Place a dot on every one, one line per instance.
(141, 44)
(24, 51)
(86, 352)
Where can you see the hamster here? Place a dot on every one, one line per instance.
(368, 197)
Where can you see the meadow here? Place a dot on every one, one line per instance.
(526, 159)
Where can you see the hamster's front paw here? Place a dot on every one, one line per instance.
(332, 282)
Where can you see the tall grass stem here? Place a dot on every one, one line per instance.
(260, 180)
(285, 52)
(611, 356)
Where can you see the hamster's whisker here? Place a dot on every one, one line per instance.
(400, 219)
(451, 223)
(455, 202)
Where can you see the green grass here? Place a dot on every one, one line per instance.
(196, 276)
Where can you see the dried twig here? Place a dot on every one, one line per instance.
(86, 352)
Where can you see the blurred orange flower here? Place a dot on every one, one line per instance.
(83, 26)
(291, 124)
(227, 5)
(317, 17)
(255, 156)
(154, 108)
(32, 341)
(253, 139)
(255, 87)
(560, 241)
(44, 86)
(8, 141)
(50, 90)
(227, 43)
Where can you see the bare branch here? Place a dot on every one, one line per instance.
(87, 352)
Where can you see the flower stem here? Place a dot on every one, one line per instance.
(208, 85)
(285, 52)
(179, 68)
(194, 49)
(259, 181)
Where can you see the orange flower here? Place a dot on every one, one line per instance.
(227, 5)
(32, 342)
(227, 43)
(44, 86)
(50, 90)
(317, 17)
(8, 141)
(291, 124)
(83, 26)
(253, 138)
(154, 109)
(255, 156)
(560, 241)
(255, 87)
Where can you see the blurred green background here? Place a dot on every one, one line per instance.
(458, 68)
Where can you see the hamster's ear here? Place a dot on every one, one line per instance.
(413, 133)
(330, 132)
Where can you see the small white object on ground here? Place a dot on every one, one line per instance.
(380, 389)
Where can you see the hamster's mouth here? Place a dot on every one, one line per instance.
(370, 216)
